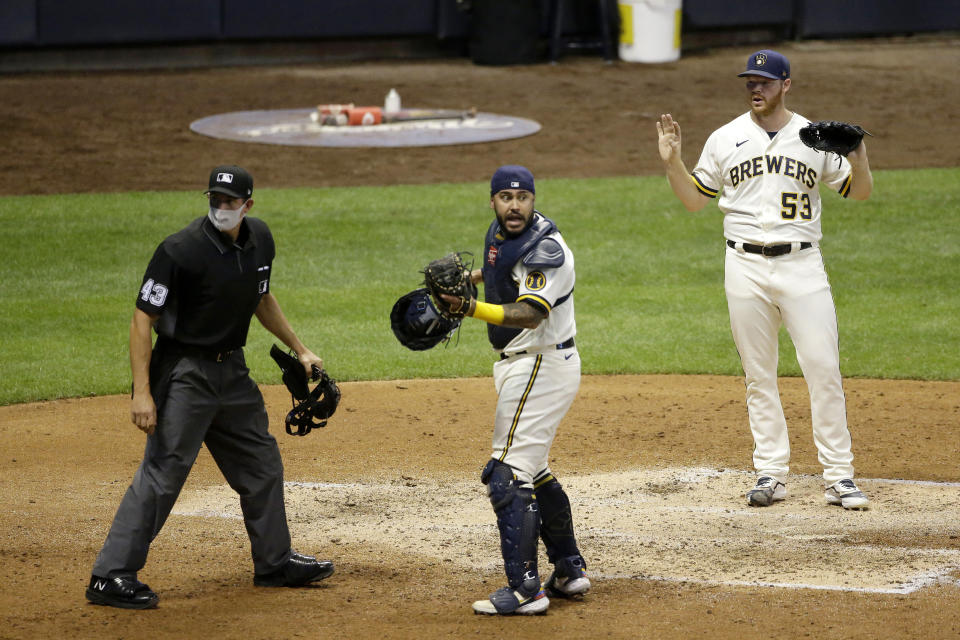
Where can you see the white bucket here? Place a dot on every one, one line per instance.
(650, 30)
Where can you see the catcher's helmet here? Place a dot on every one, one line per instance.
(417, 323)
(310, 408)
(315, 409)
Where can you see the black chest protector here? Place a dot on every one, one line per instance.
(501, 254)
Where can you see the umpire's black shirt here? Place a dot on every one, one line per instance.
(205, 287)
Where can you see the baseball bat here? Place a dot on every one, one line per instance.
(359, 116)
(414, 115)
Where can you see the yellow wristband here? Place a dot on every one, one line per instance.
(492, 313)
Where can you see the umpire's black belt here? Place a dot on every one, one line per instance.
(179, 349)
(566, 344)
(769, 249)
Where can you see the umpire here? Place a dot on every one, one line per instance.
(193, 387)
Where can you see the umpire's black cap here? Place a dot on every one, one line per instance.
(231, 180)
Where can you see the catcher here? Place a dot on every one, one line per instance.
(528, 277)
(766, 168)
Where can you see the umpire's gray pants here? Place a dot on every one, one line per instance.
(216, 403)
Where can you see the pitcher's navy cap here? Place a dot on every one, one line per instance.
(769, 64)
(511, 176)
(231, 180)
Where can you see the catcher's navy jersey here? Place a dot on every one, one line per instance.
(205, 288)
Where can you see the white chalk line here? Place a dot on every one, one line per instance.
(697, 472)
(929, 483)
(928, 579)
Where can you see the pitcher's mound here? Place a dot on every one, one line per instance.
(296, 127)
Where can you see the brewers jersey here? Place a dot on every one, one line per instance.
(550, 289)
(768, 186)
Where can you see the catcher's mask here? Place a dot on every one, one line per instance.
(311, 409)
(417, 323)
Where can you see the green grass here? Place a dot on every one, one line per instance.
(649, 279)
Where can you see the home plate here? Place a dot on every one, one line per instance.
(675, 524)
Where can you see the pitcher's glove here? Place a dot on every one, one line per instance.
(449, 275)
(310, 408)
(832, 136)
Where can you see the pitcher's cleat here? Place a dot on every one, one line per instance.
(846, 494)
(766, 492)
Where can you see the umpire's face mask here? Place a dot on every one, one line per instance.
(226, 219)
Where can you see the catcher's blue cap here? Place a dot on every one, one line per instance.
(767, 63)
(511, 176)
(231, 180)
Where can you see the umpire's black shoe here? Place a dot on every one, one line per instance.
(299, 570)
(121, 591)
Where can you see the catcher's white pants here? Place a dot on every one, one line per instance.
(534, 392)
(763, 292)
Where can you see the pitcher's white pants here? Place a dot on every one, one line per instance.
(763, 292)
(534, 392)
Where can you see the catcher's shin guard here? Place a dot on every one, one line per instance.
(518, 519)
(556, 519)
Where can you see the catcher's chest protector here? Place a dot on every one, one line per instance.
(499, 258)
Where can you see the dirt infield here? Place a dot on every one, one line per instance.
(656, 465)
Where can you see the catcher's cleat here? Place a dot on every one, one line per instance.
(299, 571)
(846, 494)
(122, 591)
(507, 602)
(569, 579)
(766, 492)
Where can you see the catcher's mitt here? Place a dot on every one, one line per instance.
(310, 408)
(449, 275)
(417, 323)
(832, 136)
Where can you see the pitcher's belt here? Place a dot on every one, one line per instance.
(768, 250)
(566, 344)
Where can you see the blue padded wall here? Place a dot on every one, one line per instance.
(329, 18)
(71, 22)
(825, 18)
(18, 22)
